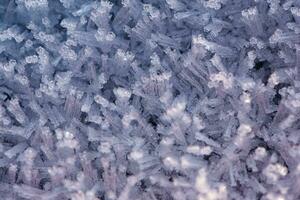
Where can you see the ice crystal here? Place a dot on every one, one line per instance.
(153, 99)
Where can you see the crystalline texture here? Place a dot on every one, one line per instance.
(152, 99)
(32, 4)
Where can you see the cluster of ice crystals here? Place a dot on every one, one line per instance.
(152, 99)
(34, 4)
(221, 77)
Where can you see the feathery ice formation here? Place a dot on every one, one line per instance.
(149, 99)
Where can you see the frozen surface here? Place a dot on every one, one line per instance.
(149, 99)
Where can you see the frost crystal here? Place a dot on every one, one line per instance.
(34, 4)
(152, 99)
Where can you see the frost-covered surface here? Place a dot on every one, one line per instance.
(149, 99)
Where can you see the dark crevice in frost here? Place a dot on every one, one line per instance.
(277, 98)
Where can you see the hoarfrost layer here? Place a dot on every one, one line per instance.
(149, 99)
